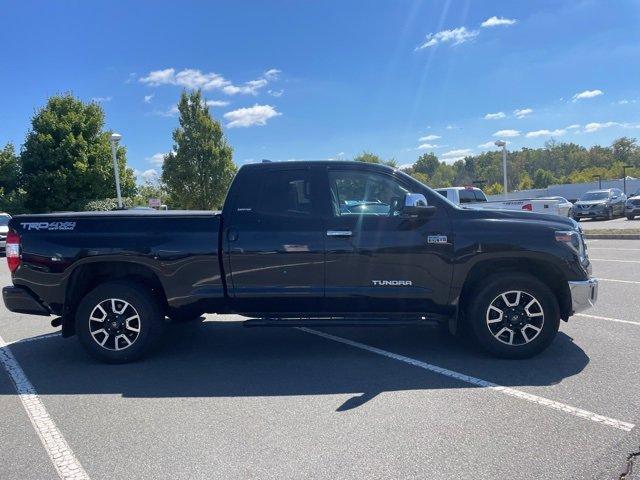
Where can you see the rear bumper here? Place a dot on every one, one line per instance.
(21, 300)
(584, 294)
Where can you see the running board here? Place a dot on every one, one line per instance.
(336, 322)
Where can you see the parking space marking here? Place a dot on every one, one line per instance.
(615, 280)
(597, 317)
(512, 392)
(611, 260)
(61, 455)
(616, 249)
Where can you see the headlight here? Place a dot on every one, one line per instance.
(573, 239)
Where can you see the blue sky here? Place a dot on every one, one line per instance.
(311, 80)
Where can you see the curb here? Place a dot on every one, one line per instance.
(612, 236)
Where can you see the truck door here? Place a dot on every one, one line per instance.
(275, 242)
(378, 260)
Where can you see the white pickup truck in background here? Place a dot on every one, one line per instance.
(473, 197)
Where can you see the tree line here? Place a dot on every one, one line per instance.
(65, 163)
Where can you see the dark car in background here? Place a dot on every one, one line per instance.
(632, 206)
(604, 204)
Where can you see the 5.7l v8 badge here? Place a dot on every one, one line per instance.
(437, 239)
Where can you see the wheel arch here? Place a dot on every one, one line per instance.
(545, 271)
(87, 276)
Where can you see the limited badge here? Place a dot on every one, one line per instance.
(437, 239)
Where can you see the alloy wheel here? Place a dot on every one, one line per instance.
(114, 324)
(515, 317)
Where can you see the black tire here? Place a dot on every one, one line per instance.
(609, 214)
(577, 219)
(630, 217)
(122, 343)
(478, 316)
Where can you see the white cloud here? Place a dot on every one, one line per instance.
(451, 127)
(193, 78)
(341, 154)
(275, 93)
(595, 126)
(575, 126)
(272, 74)
(216, 103)
(488, 144)
(245, 117)
(156, 159)
(498, 21)
(151, 175)
(587, 94)
(428, 138)
(101, 99)
(455, 155)
(546, 133)
(426, 146)
(494, 116)
(148, 98)
(171, 112)
(455, 36)
(507, 133)
(522, 112)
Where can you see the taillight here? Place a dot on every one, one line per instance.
(13, 250)
(528, 207)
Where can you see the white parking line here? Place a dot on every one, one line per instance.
(545, 402)
(616, 280)
(611, 260)
(597, 317)
(61, 455)
(616, 249)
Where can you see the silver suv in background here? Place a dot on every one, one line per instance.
(604, 204)
(4, 229)
(632, 207)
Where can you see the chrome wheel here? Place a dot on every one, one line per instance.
(515, 317)
(114, 324)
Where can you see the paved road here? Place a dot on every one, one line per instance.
(218, 400)
(616, 223)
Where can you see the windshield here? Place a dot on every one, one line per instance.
(4, 220)
(595, 196)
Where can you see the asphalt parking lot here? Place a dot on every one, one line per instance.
(616, 224)
(218, 400)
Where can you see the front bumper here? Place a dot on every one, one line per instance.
(21, 300)
(584, 294)
(629, 209)
(589, 213)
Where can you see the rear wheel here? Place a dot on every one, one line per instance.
(118, 322)
(513, 316)
(630, 217)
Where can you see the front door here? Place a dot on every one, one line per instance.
(379, 260)
(276, 243)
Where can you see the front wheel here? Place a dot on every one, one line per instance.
(610, 214)
(513, 316)
(630, 217)
(117, 322)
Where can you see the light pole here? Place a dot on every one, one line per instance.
(624, 177)
(114, 139)
(503, 144)
(599, 177)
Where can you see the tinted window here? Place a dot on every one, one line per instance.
(595, 196)
(467, 196)
(4, 220)
(479, 196)
(444, 193)
(364, 193)
(285, 192)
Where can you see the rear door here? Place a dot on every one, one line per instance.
(377, 260)
(275, 242)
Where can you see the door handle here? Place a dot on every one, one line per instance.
(339, 233)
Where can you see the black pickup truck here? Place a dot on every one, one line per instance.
(298, 243)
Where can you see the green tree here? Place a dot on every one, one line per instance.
(11, 195)
(543, 178)
(494, 189)
(66, 159)
(427, 164)
(525, 182)
(198, 171)
(369, 157)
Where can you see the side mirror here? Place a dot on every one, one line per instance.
(415, 204)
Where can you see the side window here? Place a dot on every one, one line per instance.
(285, 192)
(466, 196)
(480, 197)
(364, 193)
(444, 193)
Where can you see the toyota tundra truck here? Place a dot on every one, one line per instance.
(299, 243)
